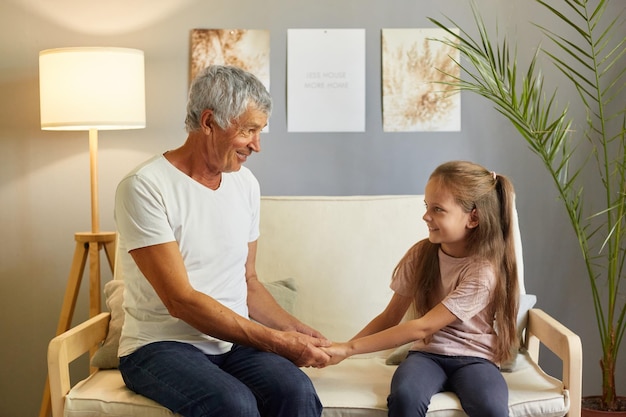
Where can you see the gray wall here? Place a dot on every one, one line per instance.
(44, 184)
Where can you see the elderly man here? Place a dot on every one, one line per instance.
(188, 222)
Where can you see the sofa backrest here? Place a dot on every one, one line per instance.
(341, 251)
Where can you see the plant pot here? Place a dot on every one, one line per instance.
(590, 406)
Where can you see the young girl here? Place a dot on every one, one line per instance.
(462, 281)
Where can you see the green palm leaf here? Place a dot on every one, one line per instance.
(593, 64)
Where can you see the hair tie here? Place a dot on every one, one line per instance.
(494, 175)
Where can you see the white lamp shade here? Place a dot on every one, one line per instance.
(92, 88)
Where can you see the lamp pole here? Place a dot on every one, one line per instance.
(90, 88)
(93, 176)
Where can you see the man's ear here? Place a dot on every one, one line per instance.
(206, 121)
(473, 219)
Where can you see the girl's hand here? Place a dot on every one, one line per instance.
(337, 352)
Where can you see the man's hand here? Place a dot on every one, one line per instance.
(304, 329)
(304, 350)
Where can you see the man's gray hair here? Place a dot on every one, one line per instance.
(228, 91)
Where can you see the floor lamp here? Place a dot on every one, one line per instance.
(89, 89)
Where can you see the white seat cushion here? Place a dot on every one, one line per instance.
(105, 394)
(357, 387)
(362, 386)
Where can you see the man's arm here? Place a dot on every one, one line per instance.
(264, 308)
(164, 268)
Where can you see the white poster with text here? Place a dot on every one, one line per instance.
(326, 80)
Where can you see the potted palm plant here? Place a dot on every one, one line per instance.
(581, 156)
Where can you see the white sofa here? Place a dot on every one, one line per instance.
(340, 252)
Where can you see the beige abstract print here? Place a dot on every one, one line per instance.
(414, 65)
(245, 48)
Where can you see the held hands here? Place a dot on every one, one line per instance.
(309, 348)
(337, 352)
(305, 350)
(319, 352)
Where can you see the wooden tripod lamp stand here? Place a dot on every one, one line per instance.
(91, 88)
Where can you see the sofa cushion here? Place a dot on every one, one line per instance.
(362, 386)
(106, 356)
(526, 302)
(355, 387)
(284, 292)
(104, 393)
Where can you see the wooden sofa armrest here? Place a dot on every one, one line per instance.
(65, 348)
(544, 329)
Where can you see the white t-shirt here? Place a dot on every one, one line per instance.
(466, 290)
(157, 203)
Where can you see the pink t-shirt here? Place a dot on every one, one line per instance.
(466, 290)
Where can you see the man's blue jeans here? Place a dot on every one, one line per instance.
(243, 382)
(477, 382)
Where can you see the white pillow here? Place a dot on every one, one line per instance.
(106, 356)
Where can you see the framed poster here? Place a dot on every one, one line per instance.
(414, 67)
(245, 48)
(326, 80)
